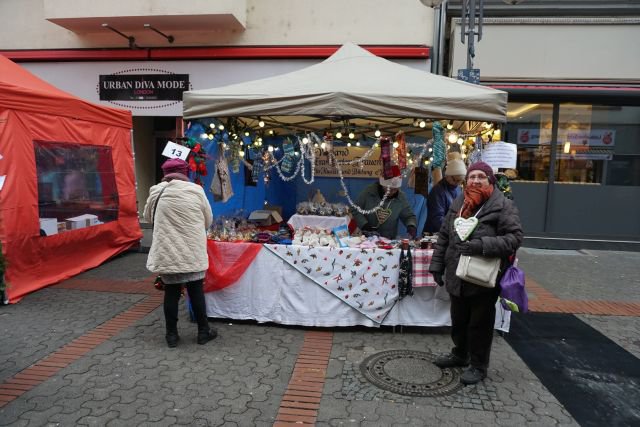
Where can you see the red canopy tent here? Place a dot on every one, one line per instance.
(40, 124)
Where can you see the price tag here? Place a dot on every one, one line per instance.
(176, 151)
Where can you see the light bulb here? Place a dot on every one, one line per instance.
(352, 135)
(452, 137)
(260, 139)
(316, 145)
(450, 125)
(395, 144)
(460, 141)
(567, 147)
(426, 162)
(270, 131)
(204, 135)
(464, 156)
(296, 153)
(210, 136)
(375, 144)
(348, 144)
(261, 123)
(224, 146)
(270, 148)
(246, 133)
(377, 133)
(416, 123)
(422, 124)
(358, 144)
(305, 140)
(212, 125)
(431, 159)
(430, 149)
(338, 134)
(221, 126)
(241, 153)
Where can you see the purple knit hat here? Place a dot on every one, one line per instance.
(484, 167)
(175, 166)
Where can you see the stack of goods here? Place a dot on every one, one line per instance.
(322, 209)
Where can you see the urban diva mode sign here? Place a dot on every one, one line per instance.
(143, 87)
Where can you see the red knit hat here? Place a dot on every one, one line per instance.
(175, 166)
(484, 167)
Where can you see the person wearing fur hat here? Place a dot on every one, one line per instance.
(180, 214)
(443, 194)
(498, 233)
(395, 208)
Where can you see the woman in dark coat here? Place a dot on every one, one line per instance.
(473, 307)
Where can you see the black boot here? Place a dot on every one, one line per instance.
(172, 339)
(206, 336)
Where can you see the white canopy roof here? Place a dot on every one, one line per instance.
(351, 83)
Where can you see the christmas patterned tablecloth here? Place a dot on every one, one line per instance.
(365, 279)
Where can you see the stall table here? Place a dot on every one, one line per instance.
(277, 287)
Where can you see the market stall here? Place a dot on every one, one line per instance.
(347, 118)
(67, 184)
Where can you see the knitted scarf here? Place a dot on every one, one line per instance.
(474, 197)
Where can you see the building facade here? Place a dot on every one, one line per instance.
(571, 68)
(572, 71)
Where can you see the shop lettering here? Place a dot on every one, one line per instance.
(117, 85)
(143, 87)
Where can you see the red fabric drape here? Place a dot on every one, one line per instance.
(227, 263)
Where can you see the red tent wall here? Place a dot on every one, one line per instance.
(32, 110)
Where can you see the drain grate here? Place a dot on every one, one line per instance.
(410, 373)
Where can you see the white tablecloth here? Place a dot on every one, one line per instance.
(271, 290)
(325, 222)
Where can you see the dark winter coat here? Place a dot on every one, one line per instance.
(438, 203)
(498, 230)
(399, 206)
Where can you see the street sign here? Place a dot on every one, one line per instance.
(469, 75)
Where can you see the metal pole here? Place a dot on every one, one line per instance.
(443, 28)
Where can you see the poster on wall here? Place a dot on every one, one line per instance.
(369, 167)
(591, 138)
(500, 155)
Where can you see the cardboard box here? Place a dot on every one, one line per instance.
(86, 220)
(49, 226)
(265, 217)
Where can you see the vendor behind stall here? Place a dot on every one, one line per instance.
(396, 207)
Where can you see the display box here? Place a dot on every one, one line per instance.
(49, 226)
(82, 221)
(265, 217)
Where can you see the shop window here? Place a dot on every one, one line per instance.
(529, 126)
(598, 144)
(76, 186)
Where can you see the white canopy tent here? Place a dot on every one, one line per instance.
(352, 83)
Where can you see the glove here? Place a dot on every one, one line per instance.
(437, 277)
(472, 247)
(412, 231)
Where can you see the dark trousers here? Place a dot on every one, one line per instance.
(171, 299)
(472, 320)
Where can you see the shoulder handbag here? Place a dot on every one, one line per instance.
(479, 270)
(476, 269)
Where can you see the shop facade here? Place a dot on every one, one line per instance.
(574, 113)
(75, 48)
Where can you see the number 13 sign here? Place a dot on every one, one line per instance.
(175, 151)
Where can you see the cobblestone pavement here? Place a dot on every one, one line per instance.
(240, 378)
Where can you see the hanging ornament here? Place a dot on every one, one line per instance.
(401, 150)
(385, 156)
(439, 148)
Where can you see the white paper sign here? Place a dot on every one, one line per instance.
(175, 151)
(500, 155)
(2, 178)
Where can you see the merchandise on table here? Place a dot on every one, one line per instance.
(322, 209)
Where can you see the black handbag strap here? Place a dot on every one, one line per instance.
(155, 207)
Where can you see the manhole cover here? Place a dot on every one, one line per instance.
(410, 373)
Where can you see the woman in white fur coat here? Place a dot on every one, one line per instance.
(180, 214)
